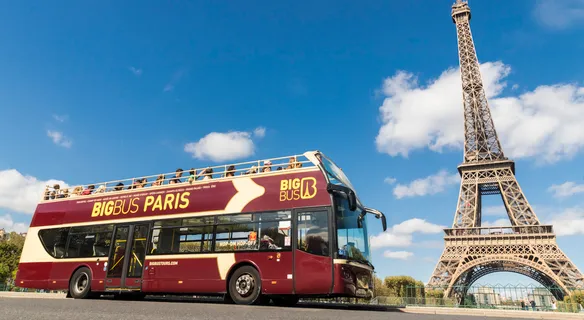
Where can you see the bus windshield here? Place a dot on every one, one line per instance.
(334, 173)
(352, 241)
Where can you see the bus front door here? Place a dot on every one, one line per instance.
(313, 263)
(126, 261)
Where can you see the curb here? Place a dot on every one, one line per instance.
(31, 295)
(495, 313)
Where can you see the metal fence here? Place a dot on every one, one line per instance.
(485, 296)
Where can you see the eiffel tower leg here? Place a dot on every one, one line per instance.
(519, 209)
(468, 209)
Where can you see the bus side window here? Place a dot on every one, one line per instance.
(313, 232)
(54, 241)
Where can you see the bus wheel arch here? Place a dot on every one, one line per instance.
(244, 284)
(80, 283)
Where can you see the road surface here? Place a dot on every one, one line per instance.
(43, 309)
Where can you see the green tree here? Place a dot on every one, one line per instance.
(10, 251)
(380, 289)
(404, 286)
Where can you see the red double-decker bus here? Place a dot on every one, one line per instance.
(245, 231)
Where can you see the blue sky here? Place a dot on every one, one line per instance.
(100, 91)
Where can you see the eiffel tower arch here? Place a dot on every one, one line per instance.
(526, 247)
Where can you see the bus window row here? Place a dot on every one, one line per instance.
(225, 233)
(55, 192)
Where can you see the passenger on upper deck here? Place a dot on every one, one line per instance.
(119, 187)
(89, 190)
(207, 174)
(193, 176)
(176, 179)
(159, 181)
(230, 172)
(294, 163)
(267, 166)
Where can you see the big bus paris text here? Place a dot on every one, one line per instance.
(243, 231)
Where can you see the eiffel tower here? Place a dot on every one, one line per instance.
(471, 251)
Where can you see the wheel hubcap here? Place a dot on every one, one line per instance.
(244, 285)
(82, 282)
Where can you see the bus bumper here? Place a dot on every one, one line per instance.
(353, 280)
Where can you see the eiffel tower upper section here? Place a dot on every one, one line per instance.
(481, 143)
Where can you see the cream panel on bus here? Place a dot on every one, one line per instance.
(34, 251)
(247, 191)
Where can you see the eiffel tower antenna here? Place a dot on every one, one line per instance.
(527, 247)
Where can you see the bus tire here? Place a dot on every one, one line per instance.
(285, 301)
(245, 286)
(80, 284)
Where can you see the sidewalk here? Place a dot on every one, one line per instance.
(495, 313)
(31, 295)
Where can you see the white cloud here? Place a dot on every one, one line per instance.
(9, 225)
(568, 222)
(60, 118)
(400, 235)
(59, 139)
(494, 211)
(390, 239)
(432, 184)
(566, 189)
(259, 132)
(559, 14)
(390, 180)
(401, 255)
(417, 225)
(545, 123)
(136, 71)
(497, 223)
(21, 193)
(220, 147)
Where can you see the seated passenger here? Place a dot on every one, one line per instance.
(252, 170)
(293, 163)
(193, 176)
(119, 187)
(64, 194)
(207, 174)
(176, 179)
(100, 189)
(159, 181)
(267, 166)
(230, 172)
(89, 190)
(77, 191)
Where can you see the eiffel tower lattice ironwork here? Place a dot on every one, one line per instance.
(471, 251)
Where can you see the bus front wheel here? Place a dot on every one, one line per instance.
(245, 286)
(80, 284)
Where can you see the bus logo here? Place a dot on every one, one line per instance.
(296, 189)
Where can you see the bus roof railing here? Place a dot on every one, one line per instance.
(193, 175)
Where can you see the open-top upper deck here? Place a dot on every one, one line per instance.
(294, 163)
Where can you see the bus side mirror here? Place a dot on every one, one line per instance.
(383, 222)
(352, 200)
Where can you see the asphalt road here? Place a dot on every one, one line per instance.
(42, 309)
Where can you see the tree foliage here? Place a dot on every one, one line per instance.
(404, 286)
(10, 251)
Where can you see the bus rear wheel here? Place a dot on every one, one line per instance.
(80, 284)
(245, 286)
